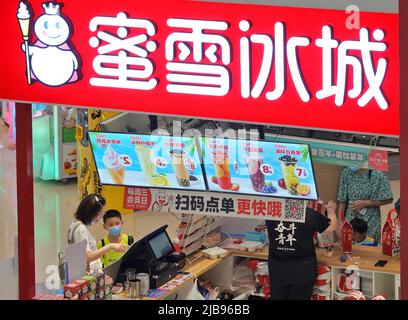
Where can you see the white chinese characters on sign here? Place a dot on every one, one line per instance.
(272, 48)
(374, 77)
(130, 68)
(198, 57)
(198, 78)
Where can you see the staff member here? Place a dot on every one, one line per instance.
(292, 256)
(89, 212)
(362, 192)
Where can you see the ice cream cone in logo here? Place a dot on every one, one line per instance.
(24, 19)
(23, 16)
(180, 170)
(113, 164)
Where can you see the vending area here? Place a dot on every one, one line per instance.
(197, 171)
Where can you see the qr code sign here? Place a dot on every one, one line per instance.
(295, 210)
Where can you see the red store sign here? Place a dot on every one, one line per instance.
(249, 63)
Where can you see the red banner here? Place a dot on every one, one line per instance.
(283, 66)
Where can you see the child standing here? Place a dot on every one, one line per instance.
(112, 222)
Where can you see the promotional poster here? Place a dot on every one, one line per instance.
(149, 161)
(260, 168)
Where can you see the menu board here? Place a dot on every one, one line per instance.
(147, 160)
(264, 168)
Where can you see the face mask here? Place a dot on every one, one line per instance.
(354, 169)
(115, 231)
(93, 222)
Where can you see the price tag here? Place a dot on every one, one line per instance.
(126, 160)
(301, 172)
(190, 164)
(160, 163)
(267, 169)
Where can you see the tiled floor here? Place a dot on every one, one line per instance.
(8, 199)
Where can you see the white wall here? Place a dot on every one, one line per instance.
(364, 5)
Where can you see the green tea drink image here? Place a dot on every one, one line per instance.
(144, 154)
(180, 170)
(288, 167)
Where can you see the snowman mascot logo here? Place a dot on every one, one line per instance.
(50, 60)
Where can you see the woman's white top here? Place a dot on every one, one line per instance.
(78, 232)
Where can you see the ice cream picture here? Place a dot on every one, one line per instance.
(113, 164)
(51, 59)
(23, 16)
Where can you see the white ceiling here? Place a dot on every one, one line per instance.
(364, 5)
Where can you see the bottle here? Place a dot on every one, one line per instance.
(346, 234)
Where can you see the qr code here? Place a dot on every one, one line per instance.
(295, 210)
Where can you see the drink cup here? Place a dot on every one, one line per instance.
(222, 170)
(180, 170)
(254, 162)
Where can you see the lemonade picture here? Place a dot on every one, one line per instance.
(144, 155)
(291, 179)
(288, 167)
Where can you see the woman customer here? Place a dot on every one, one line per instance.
(292, 257)
(361, 194)
(89, 212)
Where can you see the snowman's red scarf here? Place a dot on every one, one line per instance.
(63, 46)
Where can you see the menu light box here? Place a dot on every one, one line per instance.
(147, 161)
(260, 168)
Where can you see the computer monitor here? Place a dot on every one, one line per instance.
(161, 245)
(142, 254)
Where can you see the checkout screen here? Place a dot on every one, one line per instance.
(161, 245)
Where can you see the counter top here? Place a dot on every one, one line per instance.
(364, 257)
(200, 266)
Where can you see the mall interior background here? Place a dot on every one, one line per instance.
(55, 202)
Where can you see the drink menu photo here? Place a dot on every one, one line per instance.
(147, 160)
(259, 168)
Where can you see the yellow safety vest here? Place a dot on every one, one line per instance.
(112, 256)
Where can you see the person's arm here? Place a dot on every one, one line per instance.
(342, 196)
(331, 214)
(358, 205)
(94, 255)
(81, 234)
(382, 195)
(342, 208)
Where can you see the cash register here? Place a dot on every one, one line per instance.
(154, 254)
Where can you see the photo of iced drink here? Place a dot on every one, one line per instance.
(288, 167)
(254, 162)
(144, 154)
(180, 170)
(222, 170)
